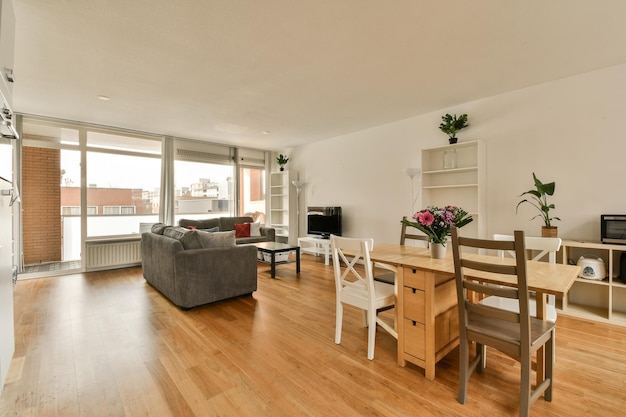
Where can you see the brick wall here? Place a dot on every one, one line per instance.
(41, 202)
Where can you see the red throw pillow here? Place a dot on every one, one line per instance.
(242, 230)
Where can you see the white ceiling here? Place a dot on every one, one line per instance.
(304, 70)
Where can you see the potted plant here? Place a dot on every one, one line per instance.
(282, 161)
(451, 124)
(436, 223)
(539, 200)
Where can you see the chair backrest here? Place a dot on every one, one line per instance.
(404, 235)
(347, 254)
(545, 245)
(492, 264)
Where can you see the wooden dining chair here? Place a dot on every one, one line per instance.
(389, 277)
(516, 334)
(355, 286)
(422, 239)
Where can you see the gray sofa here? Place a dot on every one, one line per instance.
(267, 234)
(191, 272)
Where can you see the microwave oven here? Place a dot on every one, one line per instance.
(613, 228)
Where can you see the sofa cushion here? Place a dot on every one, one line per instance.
(228, 223)
(216, 239)
(255, 229)
(201, 224)
(246, 240)
(211, 230)
(188, 238)
(242, 230)
(158, 228)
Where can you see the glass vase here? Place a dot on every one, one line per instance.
(449, 159)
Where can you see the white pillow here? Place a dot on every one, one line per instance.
(255, 229)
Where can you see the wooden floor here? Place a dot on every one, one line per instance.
(108, 344)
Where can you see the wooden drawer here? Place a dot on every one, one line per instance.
(414, 339)
(413, 304)
(414, 278)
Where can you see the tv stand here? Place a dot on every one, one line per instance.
(315, 246)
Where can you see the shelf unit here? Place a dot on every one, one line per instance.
(600, 300)
(463, 186)
(282, 206)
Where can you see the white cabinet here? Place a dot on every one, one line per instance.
(601, 300)
(461, 185)
(282, 206)
(7, 335)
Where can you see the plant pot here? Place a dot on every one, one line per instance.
(437, 250)
(549, 231)
(282, 168)
(452, 141)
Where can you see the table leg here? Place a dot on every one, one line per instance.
(298, 260)
(273, 265)
(326, 254)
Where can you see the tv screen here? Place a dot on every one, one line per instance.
(324, 221)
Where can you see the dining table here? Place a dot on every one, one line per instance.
(426, 308)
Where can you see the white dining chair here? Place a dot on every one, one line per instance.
(355, 286)
(543, 246)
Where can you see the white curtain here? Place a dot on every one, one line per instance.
(166, 212)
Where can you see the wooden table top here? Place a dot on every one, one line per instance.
(542, 277)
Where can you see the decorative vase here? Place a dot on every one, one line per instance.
(437, 250)
(549, 231)
(449, 159)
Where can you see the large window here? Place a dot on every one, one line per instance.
(87, 182)
(123, 189)
(203, 190)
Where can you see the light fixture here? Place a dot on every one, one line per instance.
(413, 172)
(298, 185)
(104, 98)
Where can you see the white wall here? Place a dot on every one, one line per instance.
(566, 131)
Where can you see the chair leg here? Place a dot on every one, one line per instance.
(338, 322)
(525, 391)
(481, 351)
(463, 370)
(549, 351)
(371, 334)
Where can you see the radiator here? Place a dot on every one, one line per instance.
(113, 254)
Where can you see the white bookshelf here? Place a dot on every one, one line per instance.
(463, 186)
(282, 205)
(600, 300)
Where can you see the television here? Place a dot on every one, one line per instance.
(323, 221)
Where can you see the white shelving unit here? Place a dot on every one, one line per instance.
(463, 186)
(600, 300)
(282, 205)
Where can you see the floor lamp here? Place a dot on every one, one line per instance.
(413, 172)
(298, 185)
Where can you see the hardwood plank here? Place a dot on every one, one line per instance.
(108, 344)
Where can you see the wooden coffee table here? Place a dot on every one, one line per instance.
(272, 248)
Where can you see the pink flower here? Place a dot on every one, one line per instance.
(426, 218)
(448, 217)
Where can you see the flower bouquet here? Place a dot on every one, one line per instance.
(437, 222)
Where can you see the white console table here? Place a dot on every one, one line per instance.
(316, 246)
